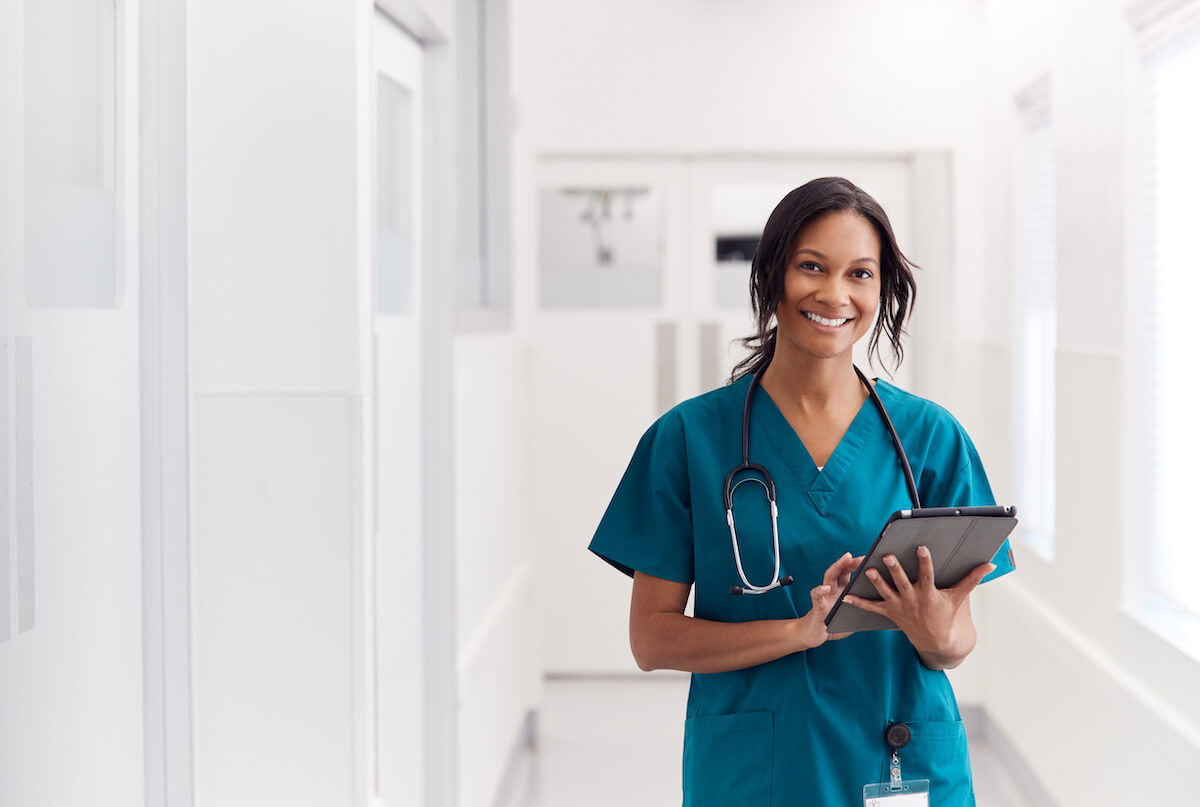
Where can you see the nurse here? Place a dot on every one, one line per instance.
(779, 711)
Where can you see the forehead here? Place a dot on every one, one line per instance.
(839, 233)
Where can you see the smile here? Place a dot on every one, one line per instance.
(829, 323)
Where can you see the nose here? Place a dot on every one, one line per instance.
(833, 291)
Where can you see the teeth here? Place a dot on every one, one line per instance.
(832, 323)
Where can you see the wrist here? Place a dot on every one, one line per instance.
(945, 644)
(808, 632)
(942, 653)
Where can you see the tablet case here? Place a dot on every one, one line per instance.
(959, 539)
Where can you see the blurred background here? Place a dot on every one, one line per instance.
(329, 326)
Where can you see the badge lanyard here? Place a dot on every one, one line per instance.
(896, 792)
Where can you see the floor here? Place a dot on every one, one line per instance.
(617, 741)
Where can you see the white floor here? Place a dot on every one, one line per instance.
(618, 741)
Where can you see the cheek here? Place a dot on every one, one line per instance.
(872, 302)
(794, 290)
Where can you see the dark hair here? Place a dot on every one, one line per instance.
(768, 268)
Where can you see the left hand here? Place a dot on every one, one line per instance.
(929, 616)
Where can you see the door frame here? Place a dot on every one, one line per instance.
(438, 653)
(161, 74)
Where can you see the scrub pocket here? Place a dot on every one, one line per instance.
(727, 760)
(938, 752)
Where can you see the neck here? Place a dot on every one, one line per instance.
(813, 384)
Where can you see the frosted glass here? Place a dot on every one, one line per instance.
(600, 248)
(70, 153)
(395, 185)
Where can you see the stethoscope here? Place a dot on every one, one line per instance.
(768, 484)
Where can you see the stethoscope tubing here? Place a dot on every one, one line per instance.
(768, 483)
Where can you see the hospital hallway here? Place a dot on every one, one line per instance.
(617, 741)
(343, 341)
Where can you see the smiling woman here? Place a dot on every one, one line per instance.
(829, 295)
(779, 708)
(835, 216)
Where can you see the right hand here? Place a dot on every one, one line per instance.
(836, 578)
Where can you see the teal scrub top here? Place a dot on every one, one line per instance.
(808, 728)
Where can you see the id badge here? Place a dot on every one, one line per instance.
(898, 792)
(913, 793)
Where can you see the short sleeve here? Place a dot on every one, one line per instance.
(648, 524)
(968, 487)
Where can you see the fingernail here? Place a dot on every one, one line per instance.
(923, 551)
(871, 573)
(991, 568)
(890, 560)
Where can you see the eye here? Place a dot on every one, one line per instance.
(861, 274)
(809, 266)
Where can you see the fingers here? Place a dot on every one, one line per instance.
(887, 592)
(841, 566)
(821, 598)
(924, 568)
(844, 578)
(898, 574)
(874, 606)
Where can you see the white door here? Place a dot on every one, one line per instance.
(634, 315)
(396, 558)
(70, 533)
(611, 247)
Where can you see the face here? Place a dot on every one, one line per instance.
(831, 288)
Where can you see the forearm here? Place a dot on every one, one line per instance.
(671, 641)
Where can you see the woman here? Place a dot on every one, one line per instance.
(779, 711)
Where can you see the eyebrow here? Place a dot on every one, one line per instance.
(822, 257)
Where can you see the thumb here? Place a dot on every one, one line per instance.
(968, 584)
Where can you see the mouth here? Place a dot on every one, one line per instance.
(827, 322)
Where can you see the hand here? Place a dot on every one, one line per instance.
(930, 617)
(836, 578)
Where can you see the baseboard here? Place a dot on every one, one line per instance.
(632, 675)
(514, 786)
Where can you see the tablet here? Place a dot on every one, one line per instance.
(959, 539)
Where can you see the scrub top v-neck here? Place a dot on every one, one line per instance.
(806, 728)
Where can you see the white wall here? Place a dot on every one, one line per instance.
(275, 197)
(276, 274)
(683, 78)
(274, 716)
(499, 668)
(1070, 676)
(70, 520)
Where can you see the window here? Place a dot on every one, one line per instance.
(1034, 320)
(71, 150)
(483, 119)
(395, 183)
(1164, 324)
